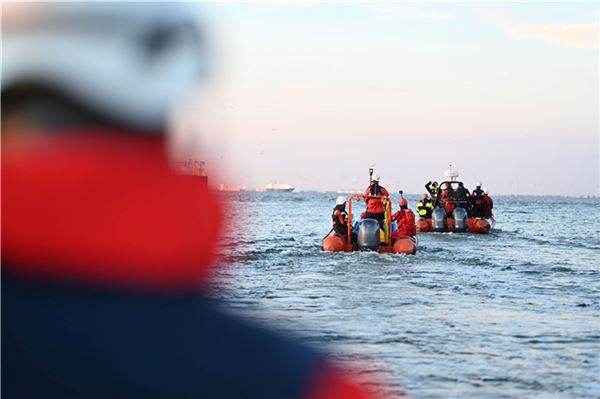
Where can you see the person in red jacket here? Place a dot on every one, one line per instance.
(104, 247)
(478, 202)
(375, 206)
(489, 204)
(447, 198)
(405, 219)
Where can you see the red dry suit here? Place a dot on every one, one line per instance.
(375, 205)
(449, 204)
(489, 205)
(406, 223)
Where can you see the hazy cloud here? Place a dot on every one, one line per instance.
(297, 90)
(418, 12)
(574, 35)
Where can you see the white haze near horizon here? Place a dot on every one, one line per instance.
(315, 94)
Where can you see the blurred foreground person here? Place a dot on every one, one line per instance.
(104, 249)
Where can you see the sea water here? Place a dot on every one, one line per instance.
(510, 314)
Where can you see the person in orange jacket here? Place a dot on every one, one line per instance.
(104, 248)
(405, 219)
(375, 206)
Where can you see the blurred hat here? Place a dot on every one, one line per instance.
(128, 62)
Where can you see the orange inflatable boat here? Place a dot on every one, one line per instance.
(454, 200)
(369, 236)
(474, 225)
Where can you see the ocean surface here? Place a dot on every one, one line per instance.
(513, 314)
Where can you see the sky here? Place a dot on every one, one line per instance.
(314, 94)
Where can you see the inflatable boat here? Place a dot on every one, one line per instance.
(455, 217)
(368, 234)
(474, 225)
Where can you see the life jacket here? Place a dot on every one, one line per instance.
(339, 219)
(424, 209)
(405, 218)
(477, 197)
(478, 202)
(449, 205)
(375, 205)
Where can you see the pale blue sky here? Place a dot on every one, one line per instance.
(315, 93)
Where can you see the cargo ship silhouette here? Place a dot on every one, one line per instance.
(279, 187)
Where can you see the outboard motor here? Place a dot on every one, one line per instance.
(438, 220)
(460, 220)
(368, 235)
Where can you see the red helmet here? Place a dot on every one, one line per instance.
(403, 202)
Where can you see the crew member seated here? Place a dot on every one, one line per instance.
(339, 217)
(425, 207)
(405, 219)
(478, 202)
(375, 206)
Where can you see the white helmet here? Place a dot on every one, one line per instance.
(127, 62)
(375, 178)
(478, 184)
(341, 200)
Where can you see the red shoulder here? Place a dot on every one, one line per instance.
(106, 210)
(329, 383)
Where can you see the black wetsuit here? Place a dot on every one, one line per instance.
(478, 209)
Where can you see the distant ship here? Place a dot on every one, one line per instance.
(349, 191)
(223, 187)
(279, 187)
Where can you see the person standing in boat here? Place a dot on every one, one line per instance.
(478, 201)
(462, 196)
(489, 204)
(405, 218)
(375, 206)
(447, 196)
(432, 188)
(425, 207)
